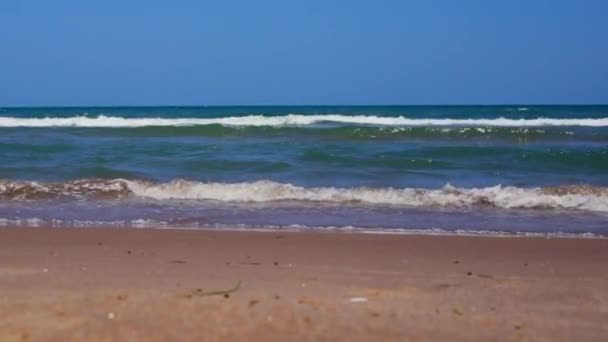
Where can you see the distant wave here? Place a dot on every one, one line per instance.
(293, 120)
(570, 197)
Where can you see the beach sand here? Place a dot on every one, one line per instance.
(166, 285)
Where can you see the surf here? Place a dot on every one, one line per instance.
(296, 120)
(565, 197)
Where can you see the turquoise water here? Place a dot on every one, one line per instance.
(449, 168)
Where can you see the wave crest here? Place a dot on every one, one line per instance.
(293, 120)
(85, 188)
(568, 197)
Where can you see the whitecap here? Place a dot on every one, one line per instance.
(294, 120)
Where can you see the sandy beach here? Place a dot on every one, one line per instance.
(160, 285)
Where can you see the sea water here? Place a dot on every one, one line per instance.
(437, 169)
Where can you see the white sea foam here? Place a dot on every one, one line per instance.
(293, 120)
(506, 197)
(587, 198)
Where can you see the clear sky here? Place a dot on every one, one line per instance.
(122, 52)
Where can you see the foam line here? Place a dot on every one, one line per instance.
(293, 120)
(566, 197)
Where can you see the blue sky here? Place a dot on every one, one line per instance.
(236, 52)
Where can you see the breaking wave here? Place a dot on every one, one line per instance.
(567, 197)
(293, 120)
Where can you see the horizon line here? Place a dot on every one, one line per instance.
(302, 105)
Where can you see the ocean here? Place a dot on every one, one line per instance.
(491, 170)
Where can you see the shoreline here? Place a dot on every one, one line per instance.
(321, 230)
(152, 284)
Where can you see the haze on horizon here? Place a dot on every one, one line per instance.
(240, 52)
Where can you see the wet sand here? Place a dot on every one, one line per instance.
(179, 285)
